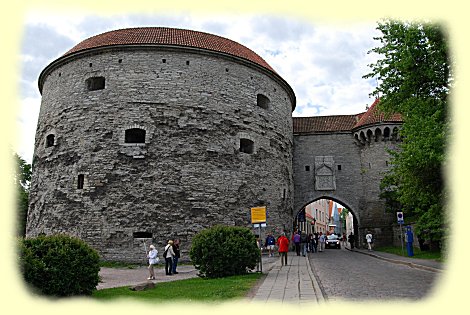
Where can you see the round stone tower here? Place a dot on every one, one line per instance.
(376, 134)
(147, 134)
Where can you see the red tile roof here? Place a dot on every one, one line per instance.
(342, 122)
(325, 123)
(374, 115)
(171, 37)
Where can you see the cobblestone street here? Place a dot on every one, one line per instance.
(346, 275)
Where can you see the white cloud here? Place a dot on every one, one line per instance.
(324, 64)
(26, 120)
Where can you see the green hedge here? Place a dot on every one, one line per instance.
(59, 265)
(223, 251)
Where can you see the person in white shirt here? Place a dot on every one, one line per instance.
(153, 259)
(369, 240)
(321, 239)
(168, 254)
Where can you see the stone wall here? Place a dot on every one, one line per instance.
(338, 147)
(375, 162)
(338, 167)
(187, 175)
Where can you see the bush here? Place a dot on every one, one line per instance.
(59, 265)
(223, 251)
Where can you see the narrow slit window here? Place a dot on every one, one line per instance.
(50, 140)
(307, 168)
(339, 167)
(142, 235)
(95, 83)
(80, 181)
(262, 101)
(134, 135)
(247, 146)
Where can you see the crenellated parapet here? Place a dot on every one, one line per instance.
(376, 126)
(382, 132)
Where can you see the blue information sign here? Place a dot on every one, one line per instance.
(400, 218)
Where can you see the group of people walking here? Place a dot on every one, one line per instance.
(312, 243)
(303, 243)
(171, 254)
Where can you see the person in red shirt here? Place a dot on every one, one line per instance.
(283, 244)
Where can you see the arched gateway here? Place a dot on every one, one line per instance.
(344, 158)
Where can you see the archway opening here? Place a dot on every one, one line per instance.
(328, 216)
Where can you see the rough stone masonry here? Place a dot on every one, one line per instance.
(149, 134)
(138, 143)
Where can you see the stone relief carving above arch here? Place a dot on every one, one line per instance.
(324, 173)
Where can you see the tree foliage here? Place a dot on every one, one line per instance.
(415, 81)
(22, 181)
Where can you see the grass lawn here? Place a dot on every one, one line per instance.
(434, 255)
(195, 289)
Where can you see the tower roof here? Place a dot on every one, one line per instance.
(374, 115)
(170, 37)
(339, 123)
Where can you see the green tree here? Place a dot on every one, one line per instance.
(415, 81)
(22, 182)
(343, 215)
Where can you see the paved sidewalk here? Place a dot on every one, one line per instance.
(294, 283)
(425, 264)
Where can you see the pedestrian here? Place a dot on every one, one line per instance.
(176, 249)
(304, 243)
(321, 239)
(153, 259)
(168, 254)
(343, 240)
(351, 240)
(296, 240)
(310, 243)
(269, 244)
(283, 245)
(315, 242)
(369, 240)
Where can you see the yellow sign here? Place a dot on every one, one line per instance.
(258, 215)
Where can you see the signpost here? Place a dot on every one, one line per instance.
(258, 215)
(258, 219)
(400, 221)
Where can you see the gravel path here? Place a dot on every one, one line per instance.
(120, 277)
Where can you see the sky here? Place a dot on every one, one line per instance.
(323, 63)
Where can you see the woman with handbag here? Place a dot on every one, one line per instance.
(153, 259)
